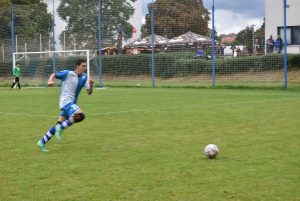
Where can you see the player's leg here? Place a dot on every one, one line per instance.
(75, 118)
(62, 123)
(13, 84)
(74, 115)
(18, 82)
(43, 141)
(19, 85)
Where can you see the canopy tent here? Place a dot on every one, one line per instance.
(189, 39)
(147, 42)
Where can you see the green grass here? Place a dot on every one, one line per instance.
(145, 144)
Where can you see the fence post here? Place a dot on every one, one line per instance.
(100, 41)
(213, 46)
(285, 48)
(53, 37)
(153, 45)
(12, 30)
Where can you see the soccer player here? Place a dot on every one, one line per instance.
(17, 74)
(72, 83)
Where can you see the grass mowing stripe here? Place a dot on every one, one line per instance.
(159, 109)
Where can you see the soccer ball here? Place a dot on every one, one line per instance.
(211, 151)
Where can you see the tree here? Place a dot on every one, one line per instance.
(81, 17)
(30, 19)
(245, 37)
(176, 17)
(144, 31)
(260, 36)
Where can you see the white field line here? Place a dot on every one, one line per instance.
(203, 106)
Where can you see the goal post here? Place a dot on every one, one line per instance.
(37, 66)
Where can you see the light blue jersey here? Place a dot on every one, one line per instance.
(71, 86)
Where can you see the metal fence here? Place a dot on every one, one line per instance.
(186, 49)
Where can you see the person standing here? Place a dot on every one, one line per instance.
(16, 74)
(72, 83)
(278, 44)
(270, 45)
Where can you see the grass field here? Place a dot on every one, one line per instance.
(145, 144)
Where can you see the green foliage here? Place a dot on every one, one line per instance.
(6, 69)
(260, 35)
(30, 19)
(81, 17)
(294, 61)
(167, 65)
(141, 64)
(175, 17)
(245, 37)
(183, 64)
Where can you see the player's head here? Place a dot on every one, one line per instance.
(80, 66)
(18, 64)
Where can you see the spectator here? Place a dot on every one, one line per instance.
(233, 49)
(278, 44)
(270, 45)
(238, 51)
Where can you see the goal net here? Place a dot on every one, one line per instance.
(36, 67)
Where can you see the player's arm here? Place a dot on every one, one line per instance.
(90, 89)
(51, 80)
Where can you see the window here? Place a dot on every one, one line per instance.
(296, 35)
(292, 34)
(288, 35)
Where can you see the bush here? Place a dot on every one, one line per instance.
(5, 69)
(167, 65)
(294, 61)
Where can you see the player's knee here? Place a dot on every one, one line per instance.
(79, 117)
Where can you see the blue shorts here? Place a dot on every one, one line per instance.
(69, 110)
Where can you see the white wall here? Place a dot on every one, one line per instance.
(274, 18)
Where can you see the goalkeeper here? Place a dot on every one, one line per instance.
(17, 74)
(72, 83)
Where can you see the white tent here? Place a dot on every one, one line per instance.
(147, 42)
(189, 39)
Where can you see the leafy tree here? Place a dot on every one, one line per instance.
(81, 17)
(260, 36)
(30, 19)
(246, 36)
(176, 17)
(144, 31)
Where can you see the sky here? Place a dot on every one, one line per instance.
(231, 16)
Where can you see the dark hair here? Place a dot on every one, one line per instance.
(80, 61)
(18, 64)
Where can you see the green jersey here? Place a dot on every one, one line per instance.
(17, 72)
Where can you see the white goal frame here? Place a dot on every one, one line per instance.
(15, 60)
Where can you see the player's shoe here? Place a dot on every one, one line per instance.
(42, 146)
(58, 131)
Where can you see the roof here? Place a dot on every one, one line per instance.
(189, 37)
(147, 41)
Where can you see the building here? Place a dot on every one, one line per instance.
(227, 39)
(274, 22)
